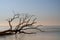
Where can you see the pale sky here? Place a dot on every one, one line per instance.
(48, 11)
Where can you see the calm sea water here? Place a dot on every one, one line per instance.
(52, 33)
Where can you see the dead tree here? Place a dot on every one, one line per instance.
(25, 21)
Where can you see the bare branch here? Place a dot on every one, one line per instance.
(11, 19)
(26, 20)
(27, 33)
(26, 25)
(33, 28)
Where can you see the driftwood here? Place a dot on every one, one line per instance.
(24, 21)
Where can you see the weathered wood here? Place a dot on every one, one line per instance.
(8, 32)
(24, 21)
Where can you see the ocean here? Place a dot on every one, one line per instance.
(51, 33)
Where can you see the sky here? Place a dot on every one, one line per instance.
(48, 11)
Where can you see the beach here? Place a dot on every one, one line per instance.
(52, 33)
